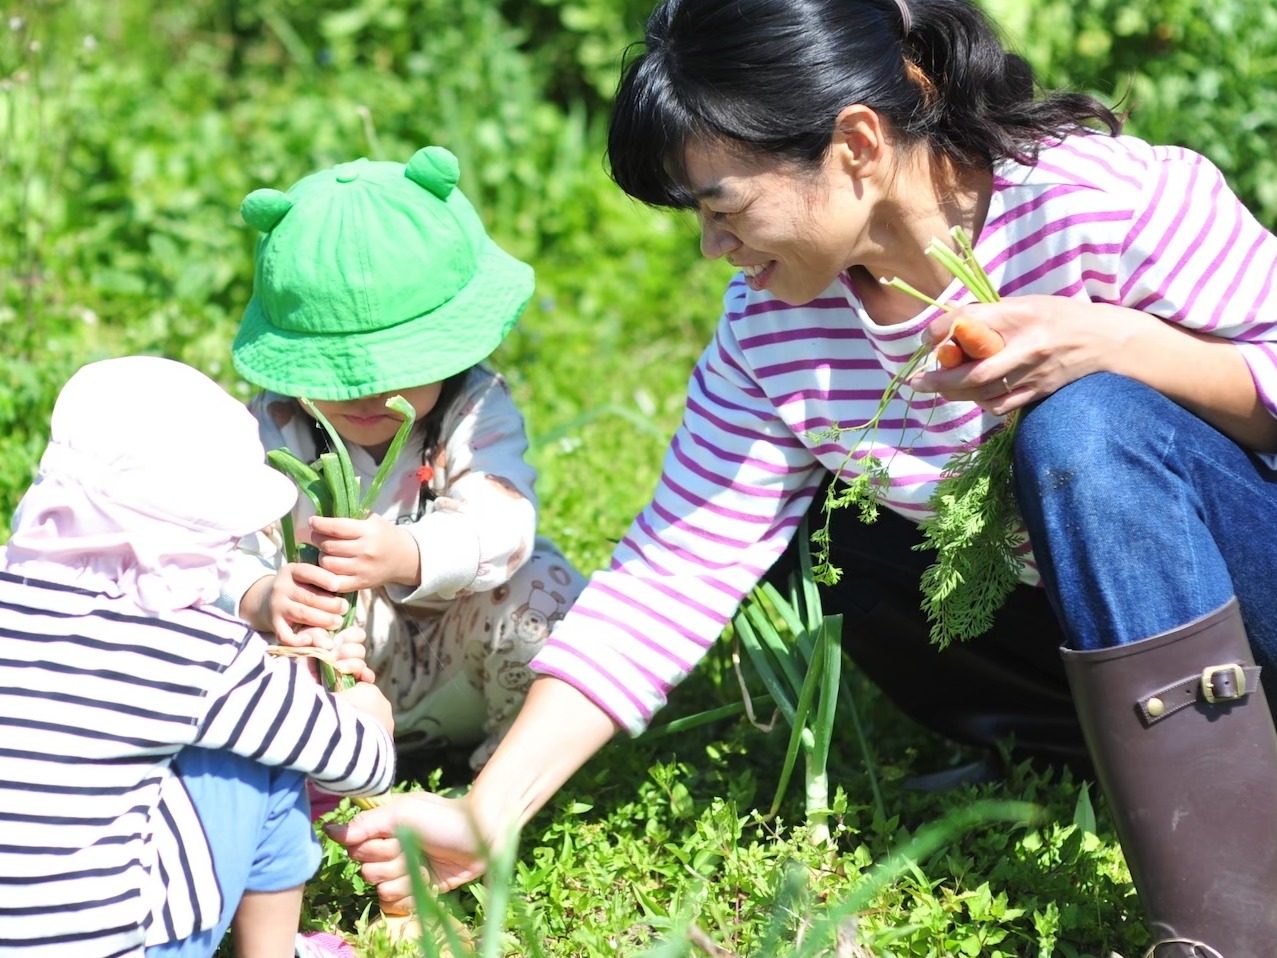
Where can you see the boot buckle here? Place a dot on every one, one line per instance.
(1223, 683)
(1217, 684)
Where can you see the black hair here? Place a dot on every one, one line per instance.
(771, 76)
(428, 428)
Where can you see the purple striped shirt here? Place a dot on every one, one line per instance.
(1114, 220)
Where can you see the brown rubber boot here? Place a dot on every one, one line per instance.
(1185, 751)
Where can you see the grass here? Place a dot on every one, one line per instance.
(664, 842)
(133, 129)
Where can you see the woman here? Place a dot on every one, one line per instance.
(824, 144)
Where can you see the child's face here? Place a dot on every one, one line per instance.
(367, 422)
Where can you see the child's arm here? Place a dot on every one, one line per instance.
(270, 710)
(245, 571)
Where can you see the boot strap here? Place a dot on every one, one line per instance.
(1214, 684)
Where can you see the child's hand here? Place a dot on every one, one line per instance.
(301, 597)
(366, 553)
(350, 652)
(349, 655)
(369, 700)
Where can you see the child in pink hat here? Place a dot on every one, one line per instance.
(152, 778)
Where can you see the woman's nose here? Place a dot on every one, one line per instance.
(715, 240)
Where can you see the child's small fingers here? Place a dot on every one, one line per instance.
(350, 650)
(395, 904)
(352, 634)
(345, 574)
(308, 616)
(295, 624)
(325, 601)
(284, 632)
(316, 638)
(334, 527)
(317, 576)
(353, 667)
(341, 548)
(357, 668)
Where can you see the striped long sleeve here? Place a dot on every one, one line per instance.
(1110, 219)
(272, 711)
(96, 698)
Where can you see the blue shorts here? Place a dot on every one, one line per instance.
(257, 819)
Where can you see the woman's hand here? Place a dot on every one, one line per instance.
(1050, 341)
(300, 596)
(366, 553)
(556, 731)
(448, 833)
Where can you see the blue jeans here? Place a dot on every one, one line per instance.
(257, 819)
(1143, 517)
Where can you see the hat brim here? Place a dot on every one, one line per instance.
(421, 350)
(237, 504)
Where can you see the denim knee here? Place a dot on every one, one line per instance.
(1134, 507)
(1080, 442)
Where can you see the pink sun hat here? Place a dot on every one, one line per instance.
(151, 474)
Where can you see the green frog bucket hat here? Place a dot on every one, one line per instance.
(373, 277)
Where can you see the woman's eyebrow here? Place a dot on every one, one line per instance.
(714, 192)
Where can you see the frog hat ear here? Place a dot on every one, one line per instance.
(435, 169)
(263, 209)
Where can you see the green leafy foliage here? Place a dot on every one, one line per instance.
(974, 523)
(802, 671)
(1188, 72)
(976, 532)
(131, 130)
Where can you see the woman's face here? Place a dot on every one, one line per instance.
(367, 422)
(791, 230)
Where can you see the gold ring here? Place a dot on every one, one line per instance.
(1006, 386)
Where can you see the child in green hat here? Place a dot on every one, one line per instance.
(376, 279)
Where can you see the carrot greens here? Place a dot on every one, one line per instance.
(974, 523)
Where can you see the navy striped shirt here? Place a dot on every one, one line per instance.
(96, 698)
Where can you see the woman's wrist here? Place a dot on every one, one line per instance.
(558, 729)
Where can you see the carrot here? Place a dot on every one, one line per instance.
(968, 340)
(950, 354)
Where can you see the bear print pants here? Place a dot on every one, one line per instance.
(456, 671)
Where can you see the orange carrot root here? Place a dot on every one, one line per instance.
(950, 354)
(968, 341)
(976, 339)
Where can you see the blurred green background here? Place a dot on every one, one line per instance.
(131, 129)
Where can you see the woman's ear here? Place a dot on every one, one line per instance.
(858, 140)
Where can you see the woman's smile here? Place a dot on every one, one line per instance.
(789, 231)
(757, 274)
